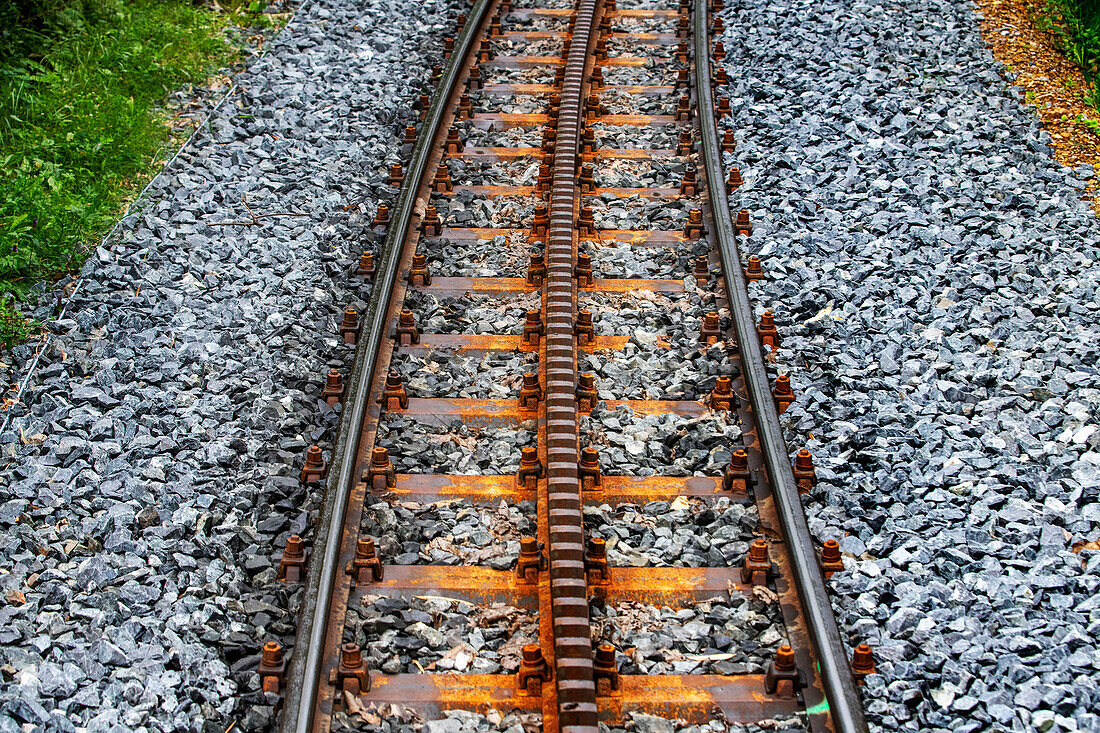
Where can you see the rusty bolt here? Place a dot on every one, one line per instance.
(314, 469)
(542, 185)
(586, 391)
(533, 671)
(609, 5)
(589, 469)
(693, 227)
(721, 397)
(689, 186)
(583, 328)
(465, 110)
(410, 135)
(743, 225)
(831, 561)
(586, 223)
(595, 79)
(381, 216)
(559, 74)
(784, 395)
(365, 566)
(601, 50)
(536, 269)
(425, 102)
(719, 51)
(595, 562)
(349, 327)
(769, 336)
(473, 79)
(720, 76)
(555, 101)
(272, 668)
(532, 327)
(757, 565)
(587, 179)
(395, 176)
(604, 667)
(540, 224)
(683, 108)
(710, 331)
(531, 392)
(605, 24)
(592, 108)
(863, 662)
(549, 135)
(419, 273)
(436, 73)
(292, 564)
(380, 474)
(460, 21)
(754, 271)
(588, 140)
(684, 147)
(351, 676)
(728, 141)
(737, 471)
(803, 469)
(406, 333)
(531, 560)
(334, 387)
(682, 52)
(530, 468)
(393, 395)
(442, 182)
(448, 46)
(683, 79)
(485, 51)
(701, 270)
(366, 265)
(717, 6)
(454, 142)
(431, 225)
(782, 669)
(494, 26)
(724, 107)
(583, 270)
(682, 26)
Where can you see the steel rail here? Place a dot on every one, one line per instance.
(840, 689)
(304, 670)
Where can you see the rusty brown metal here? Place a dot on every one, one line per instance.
(381, 216)
(803, 468)
(769, 336)
(333, 389)
(293, 562)
(365, 567)
(314, 469)
(406, 332)
(721, 397)
(782, 677)
(349, 326)
(737, 474)
(753, 271)
(831, 562)
(729, 143)
(366, 265)
(757, 568)
(530, 467)
(743, 225)
(709, 330)
(863, 662)
(783, 393)
(272, 668)
(693, 227)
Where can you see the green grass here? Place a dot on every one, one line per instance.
(82, 85)
(1077, 23)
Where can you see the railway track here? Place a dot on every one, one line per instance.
(561, 224)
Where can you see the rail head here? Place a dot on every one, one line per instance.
(307, 658)
(840, 688)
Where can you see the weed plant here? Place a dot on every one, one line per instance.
(1077, 23)
(82, 86)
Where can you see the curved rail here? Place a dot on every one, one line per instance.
(840, 688)
(304, 670)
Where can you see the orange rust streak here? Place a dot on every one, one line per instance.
(694, 698)
(655, 39)
(509, 119)
(518, 89)
(491, 191)
(478, 284)
(631, 489)
(632, 153)
(443, 487)
(633, 285)
(664, 193)
(642, 237)
(652, 90)
(516, 62)
(468, 580)
(531, 35)
(645, 14)
(471, 153)
(626, 61)
(433, 693)
(463, 342)
(659, 407)
(465, 408)
(528, 12)
(637, 120)
(672, 586)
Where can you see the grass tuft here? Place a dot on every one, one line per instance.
(1077, 24)
(82, 125)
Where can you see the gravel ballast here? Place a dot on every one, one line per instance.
(934, 275)
(150, 477)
